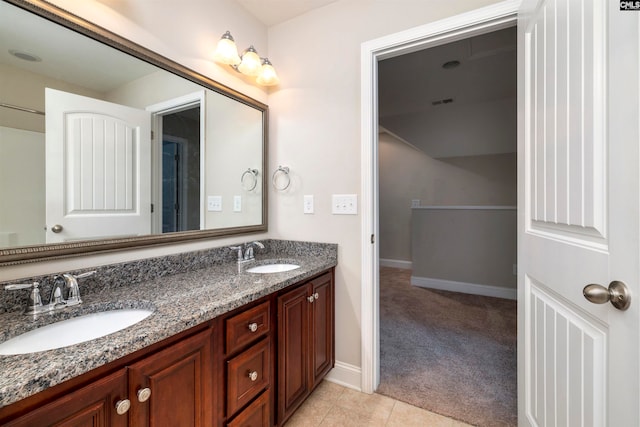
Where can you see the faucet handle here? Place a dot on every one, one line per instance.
(35, 301)
(239, 249)
(85, 274)
(16, 286)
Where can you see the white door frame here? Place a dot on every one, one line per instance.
(483, 20)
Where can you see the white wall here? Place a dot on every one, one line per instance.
(22, 184)
(407, 173)
(315, 129)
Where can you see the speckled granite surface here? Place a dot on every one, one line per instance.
(185, 290)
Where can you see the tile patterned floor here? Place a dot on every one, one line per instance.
(332, 405)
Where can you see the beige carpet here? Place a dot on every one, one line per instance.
(449, 353)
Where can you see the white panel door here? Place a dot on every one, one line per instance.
(579, 215)
(97, 168)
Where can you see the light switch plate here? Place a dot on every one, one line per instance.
(237, 203)
(344, 204)
(308, 204)
(214, 203)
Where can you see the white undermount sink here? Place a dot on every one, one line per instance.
(73, 331)
(272, 268)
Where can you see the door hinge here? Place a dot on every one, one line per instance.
(151, 207)
(152, 136)
(373, 239)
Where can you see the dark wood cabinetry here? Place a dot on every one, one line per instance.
(223, 373)
(305, 341)
(90, 406)
(174, 386)
(170, 387)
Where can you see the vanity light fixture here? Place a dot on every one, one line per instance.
(249, 63)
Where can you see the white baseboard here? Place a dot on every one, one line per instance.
(464, 287)
(396, 263)
(346, 375)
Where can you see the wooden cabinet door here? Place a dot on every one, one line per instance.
(321, 333)
(293, 350)
(90, 406)
(180, 381)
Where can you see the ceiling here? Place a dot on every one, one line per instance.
(273, 12)
(63, 54)
(465, 110)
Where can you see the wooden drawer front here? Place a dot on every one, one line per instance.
(255, 415)
(247, 327)
(241, 388)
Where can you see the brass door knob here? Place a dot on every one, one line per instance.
(617, 293)
(57, 228)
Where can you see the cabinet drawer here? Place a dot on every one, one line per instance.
(247, 327)
(255, 415)
(247, 375)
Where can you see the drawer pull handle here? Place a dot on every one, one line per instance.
(253, 375)
(253, 327)
(122, 406)
(316, 296)
(310, 299)
(144, 394)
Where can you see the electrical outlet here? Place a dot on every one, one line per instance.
(237, 203)
(344, 204)
(415, 203)
(308, 204)
(214, 203)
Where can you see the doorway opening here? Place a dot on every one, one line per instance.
(178, 164)
(447, 217)
(181, 170)
(481, 21)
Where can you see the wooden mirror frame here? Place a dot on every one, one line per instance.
(27, 254)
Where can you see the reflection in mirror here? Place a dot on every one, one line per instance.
(98, 144)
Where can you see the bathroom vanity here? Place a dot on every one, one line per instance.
(222, 347)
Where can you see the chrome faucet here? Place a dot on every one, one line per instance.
(245, 251)
(57, 299)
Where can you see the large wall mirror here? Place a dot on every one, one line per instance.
(105, 145)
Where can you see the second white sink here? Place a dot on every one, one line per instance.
(272, 268)
(73, 331)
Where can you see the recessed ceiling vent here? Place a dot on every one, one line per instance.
(442, 101)
(450, 64)
(26, 56)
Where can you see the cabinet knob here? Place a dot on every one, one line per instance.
(310, 299)
(144, 394)
(122, 406)
(253, 375)
(253, 327)
(316, 296)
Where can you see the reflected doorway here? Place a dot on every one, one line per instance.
(181, 171)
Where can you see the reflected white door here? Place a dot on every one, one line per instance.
(579, 214)
(97, 168)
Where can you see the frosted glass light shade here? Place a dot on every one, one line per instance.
(226, 51)
(251, 64)
(268, 76)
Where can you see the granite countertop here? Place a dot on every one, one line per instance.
(180, 301)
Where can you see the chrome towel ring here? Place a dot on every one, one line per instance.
(252, 182)
(284, 170)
